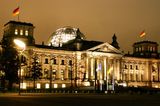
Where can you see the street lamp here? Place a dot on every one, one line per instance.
(21, 46)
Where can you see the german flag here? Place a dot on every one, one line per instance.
(143, 33)
(16, 11)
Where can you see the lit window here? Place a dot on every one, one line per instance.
(16, 32)
(26, 32)
(153, 49)
(55, 86)
(53, 74)
(63, 85)
(137, 49)
(38, 85)
(47, 86)
(142, 48)
(62, 74)
(23, 85)
(21, 32)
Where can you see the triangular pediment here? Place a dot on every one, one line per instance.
(105, 48)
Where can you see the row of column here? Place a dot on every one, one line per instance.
(104, 67)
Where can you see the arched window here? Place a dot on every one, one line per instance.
(16, 32)
(21, 32)
(26, 32)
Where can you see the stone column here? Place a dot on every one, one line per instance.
(92, 69)
(66, 68)
(58, 69)
(105, 68)
(86, 68)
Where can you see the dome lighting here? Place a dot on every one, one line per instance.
(63, 35)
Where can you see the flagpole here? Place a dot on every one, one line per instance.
(19, 10)
(18, 16)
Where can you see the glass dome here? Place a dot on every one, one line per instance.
(63, 35)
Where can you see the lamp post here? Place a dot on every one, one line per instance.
(20, 47)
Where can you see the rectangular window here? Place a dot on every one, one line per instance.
(21, 32)
(16, 32)
(54, 61)
(136, 67)
(46, 61)
(62, 62)
(70, 62)
(131, 67)
(26, 32)
(125, 66)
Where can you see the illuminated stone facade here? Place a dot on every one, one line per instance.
(81, 63)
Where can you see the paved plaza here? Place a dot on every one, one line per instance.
(79, 100)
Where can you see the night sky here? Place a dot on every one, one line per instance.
(97, 19)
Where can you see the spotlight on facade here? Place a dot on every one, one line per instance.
(20, 44)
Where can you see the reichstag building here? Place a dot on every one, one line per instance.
(70, 60)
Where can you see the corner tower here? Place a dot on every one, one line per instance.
(146, 49)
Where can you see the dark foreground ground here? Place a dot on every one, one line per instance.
(79, 100)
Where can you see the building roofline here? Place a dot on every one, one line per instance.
(151, 42)
(18, 22)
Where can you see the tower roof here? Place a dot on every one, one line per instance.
(18, 23)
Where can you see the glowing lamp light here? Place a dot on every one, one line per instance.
(123, 84)
(156, 86)
(20, 44)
